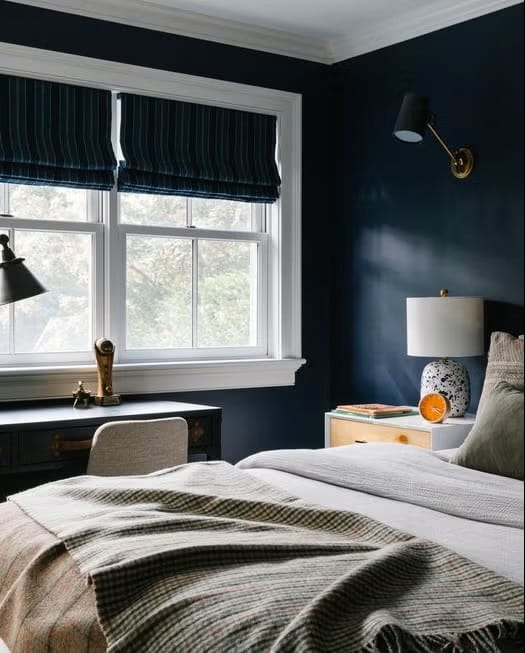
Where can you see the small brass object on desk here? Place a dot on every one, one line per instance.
(81, 396)
(105, 353)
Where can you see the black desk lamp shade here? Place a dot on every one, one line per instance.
(413, 119)
(16, 281)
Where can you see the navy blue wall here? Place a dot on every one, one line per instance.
(406, 226)
(399, 225)
(252, 419)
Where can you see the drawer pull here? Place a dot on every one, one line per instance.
(403, 439)
(196, 433)
(361, 442)
(59, 446)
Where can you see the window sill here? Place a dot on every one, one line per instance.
(147, 378)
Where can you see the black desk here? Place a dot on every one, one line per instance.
(42, 444)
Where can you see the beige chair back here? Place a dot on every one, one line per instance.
(138, 447)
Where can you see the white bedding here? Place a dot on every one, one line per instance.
(497, 547)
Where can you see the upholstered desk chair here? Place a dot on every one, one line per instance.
(138, 447)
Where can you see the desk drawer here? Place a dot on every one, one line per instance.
(53, 446)
(4, 451)
(349, 432)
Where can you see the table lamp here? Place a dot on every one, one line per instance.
(16, 281)
(446, 327)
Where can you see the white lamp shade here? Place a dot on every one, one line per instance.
(445, 327)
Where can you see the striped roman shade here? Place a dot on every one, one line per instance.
(55, 134)
(178, 148)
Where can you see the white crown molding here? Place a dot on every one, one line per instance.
(379, 34)
(409, 25)
(152, 16)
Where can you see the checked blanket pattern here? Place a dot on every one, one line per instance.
(205, 557)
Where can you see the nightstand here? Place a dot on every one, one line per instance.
(412, 429)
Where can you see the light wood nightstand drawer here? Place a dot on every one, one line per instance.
(344, 432)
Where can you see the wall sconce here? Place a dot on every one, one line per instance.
(414, 117)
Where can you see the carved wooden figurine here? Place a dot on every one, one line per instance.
(105, 353)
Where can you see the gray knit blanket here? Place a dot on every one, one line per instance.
(205, 558)
(405, 473)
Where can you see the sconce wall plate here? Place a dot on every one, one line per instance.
(463, 163)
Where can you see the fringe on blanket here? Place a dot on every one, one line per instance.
(392, 639)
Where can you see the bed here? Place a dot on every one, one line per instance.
(374, 548)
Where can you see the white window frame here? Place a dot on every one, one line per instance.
(92, 225)
(284, 355)
(117, 309)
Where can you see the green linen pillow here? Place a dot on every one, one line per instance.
(505, 362)
(495, 443)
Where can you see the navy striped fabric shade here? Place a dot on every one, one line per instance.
(180, 148)
(55, 134)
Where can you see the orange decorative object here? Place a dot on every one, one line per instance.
(434, 407)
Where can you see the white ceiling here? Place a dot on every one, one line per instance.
(317, 30)
(321, 19)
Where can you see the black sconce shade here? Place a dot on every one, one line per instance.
(16, 281)
(413, 119)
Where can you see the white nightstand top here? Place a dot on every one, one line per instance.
(415, 422)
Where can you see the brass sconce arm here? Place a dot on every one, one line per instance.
(440, 140)
(461, 161)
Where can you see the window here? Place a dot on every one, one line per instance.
(194, 274)
(184, 277)
(196, 293)
(58, 232)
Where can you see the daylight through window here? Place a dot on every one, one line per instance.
(184, 277)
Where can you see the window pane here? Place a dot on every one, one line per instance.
(59, 320)
(221, 214)
(159, 292)
(227, 294)
(159, 210)
(4, 326)
(48, 202)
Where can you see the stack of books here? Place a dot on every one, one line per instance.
(374, 411)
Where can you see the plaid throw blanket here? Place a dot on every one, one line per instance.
(206, 558)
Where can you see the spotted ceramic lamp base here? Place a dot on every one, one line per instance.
(449, 378)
